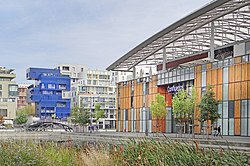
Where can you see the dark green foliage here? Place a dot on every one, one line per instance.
(98, 112)
(22, 117)
(80, 116)
(209, 106)
(158, 107)
(183, 104)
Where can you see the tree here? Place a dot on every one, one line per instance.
(29, 110)
(22, 117)
(183, 105)
(209, 106)
(158, 108)
(80, 116)
(98, 112)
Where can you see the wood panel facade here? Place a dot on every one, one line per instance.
(231, 84)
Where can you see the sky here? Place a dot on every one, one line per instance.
(95, 33)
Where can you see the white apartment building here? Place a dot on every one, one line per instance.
(121, 76)
(8, 93)
(89, 87)
(75, 72)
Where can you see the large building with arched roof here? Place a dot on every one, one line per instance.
(211, 46)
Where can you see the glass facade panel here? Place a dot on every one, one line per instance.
(166, 80)
(203, 67)
(225, 118)
(170, 80)
(243, 124)
(174, 79)
(214, 65)
(169, 120)
(248, 110)
(225, 110)
(225, 127)
(178, 78)
(220, 64)
(191, 75)
(231, 126)
(225, 92)
(203, 79)
(178, 72)
(182, 77)
(225, 75)
(170, 74)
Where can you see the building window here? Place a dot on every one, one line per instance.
(13, 90)
(65, 68)
(51, 86)
(62, 86)
(3, 112)
(0, 87)
(245, 58)
(61, 104)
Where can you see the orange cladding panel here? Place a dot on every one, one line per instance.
(237, 73)
(248, 71)
(231, 91)
(198, 80)
(244, 90)
(248, 89)
(219, 92)
(237, 90)
(237, 118)
(244, 72)
(231, 74)
(208, 77)
(214, 78)
(219, 76)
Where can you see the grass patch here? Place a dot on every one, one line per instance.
(134, 152)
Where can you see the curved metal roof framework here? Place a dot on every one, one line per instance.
(219, 23)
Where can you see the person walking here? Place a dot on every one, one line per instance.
(218, 130)
(215, 131)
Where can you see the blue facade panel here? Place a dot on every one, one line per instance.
(47, 93)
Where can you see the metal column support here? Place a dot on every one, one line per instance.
(212, 42)
(164, 59)
(134, 72)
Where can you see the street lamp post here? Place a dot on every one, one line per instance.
(91, 118)
(146, 131)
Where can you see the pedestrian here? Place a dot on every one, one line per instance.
(215, 130)
(219, 130)
(89, 128)
(96, 127)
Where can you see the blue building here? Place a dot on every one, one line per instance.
(51, 93)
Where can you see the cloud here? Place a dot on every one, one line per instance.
(45, 33)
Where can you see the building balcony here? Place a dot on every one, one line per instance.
(10, 76)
